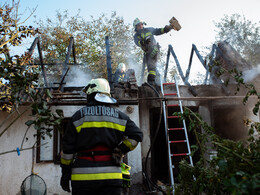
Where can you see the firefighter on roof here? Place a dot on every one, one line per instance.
(144, 38)
(120, 73)
(94, 143)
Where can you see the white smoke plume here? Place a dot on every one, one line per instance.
(76, 77)
(250, 75)
(133, 64)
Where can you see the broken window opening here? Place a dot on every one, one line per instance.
(48, 149)
(229, 122)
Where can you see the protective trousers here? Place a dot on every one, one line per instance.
(108, 190)
(151, 62)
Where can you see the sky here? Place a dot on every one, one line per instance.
(195, 16)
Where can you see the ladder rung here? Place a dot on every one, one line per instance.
(178, 141)
(173, 117)
(175, 129)
(168, 83)
(167, 94)
(181, 154)
(173, 105)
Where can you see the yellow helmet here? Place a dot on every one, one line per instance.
(137, 21)
(102, 88)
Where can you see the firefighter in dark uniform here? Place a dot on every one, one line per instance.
(94, 143)
(120, 73)
(144, 38)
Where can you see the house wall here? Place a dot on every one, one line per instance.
(213, 101)
(14, 168)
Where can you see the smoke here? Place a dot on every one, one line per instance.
(229, 122)
(250, 75)
(76, 76)
(137, 67)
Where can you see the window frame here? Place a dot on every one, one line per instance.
(57, 144)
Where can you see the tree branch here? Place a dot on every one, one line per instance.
(14, 121)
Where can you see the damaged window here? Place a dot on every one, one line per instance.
(49, 148)
(46, 148)
(229, 122)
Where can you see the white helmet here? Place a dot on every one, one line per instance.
(137, 21)
(121, 66)
(102, 88)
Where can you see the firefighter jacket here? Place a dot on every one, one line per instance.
(92, 134)
(119, 76)
(145, 38)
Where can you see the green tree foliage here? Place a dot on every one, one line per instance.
(242, 34)
(18, 80)
(15, 75)
(235, 165)
(233, 169)
(89, 39)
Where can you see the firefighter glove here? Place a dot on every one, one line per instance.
(65, 177)
(154, 52)
(167, 28)
(117, 156)
(65, 183)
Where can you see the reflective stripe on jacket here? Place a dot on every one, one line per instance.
(66, 159)
(141, 37)
(119, 76)
(96, 173)
(100, 122)
(92, 126)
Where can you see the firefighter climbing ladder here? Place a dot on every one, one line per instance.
(172, 140)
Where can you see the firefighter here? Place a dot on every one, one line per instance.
(120, 73)
(144, 38)
(95, 140)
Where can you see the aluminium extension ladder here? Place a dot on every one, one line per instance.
(173, 141)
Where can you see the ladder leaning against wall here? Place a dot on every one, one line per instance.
(176, 135)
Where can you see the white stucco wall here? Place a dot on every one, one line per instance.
(14, 169)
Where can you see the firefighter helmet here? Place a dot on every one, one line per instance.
(122, 67)
(102, 88)
(137, 21)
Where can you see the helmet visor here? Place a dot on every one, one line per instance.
(104, 98)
